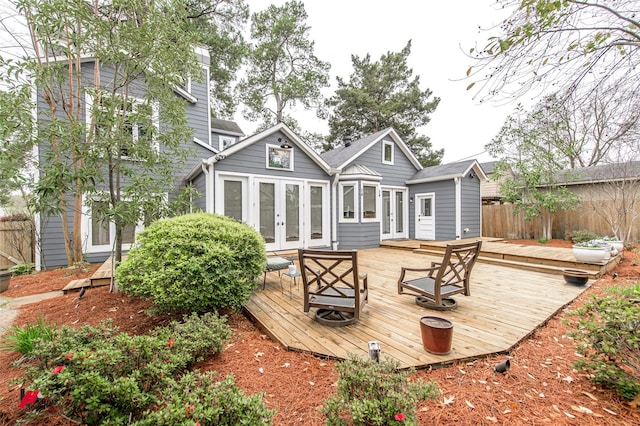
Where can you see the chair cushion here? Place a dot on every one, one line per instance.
(275, 263)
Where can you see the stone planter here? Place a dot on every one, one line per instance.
(5, 277)
(590, 254)
(437, 334)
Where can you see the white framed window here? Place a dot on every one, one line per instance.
(388, 152)
(370, 203)
(99, 234)
(226, 142)
(234, 194)
(348, 202)
(123, 120)
(279, 158)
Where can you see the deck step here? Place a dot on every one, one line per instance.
(76, 285)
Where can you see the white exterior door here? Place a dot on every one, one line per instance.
(394, 213)
(279, 213)
(425, 216)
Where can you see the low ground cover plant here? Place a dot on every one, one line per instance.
(194, 263)
(372, 393)
(608, 331)
(96, 375)
(22, 339)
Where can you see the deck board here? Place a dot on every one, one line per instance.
(505, 306)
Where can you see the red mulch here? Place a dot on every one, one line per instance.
(540, 388)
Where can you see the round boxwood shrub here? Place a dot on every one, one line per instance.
(195, 262)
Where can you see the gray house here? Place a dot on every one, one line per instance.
(352, 197)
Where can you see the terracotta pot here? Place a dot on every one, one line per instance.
(5, 277)
(437, 334)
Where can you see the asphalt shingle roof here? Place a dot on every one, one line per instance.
(341, 154)
(225, 126)
(602, 172)
(443, 170)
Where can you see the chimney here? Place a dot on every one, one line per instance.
(347, 141)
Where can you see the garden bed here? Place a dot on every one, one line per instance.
(540, 387)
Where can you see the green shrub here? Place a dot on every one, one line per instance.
(197, 398)
(22, 269)
(543, 240)
(372, 393)
(21, 339)
(97, 376)
(194, 263)
(608, 331)
(582, 236)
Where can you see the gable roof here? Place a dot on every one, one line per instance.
(601, 173)
(226, 127)
(280, 127)
(447, 171)
(341, 156)
(489, 166)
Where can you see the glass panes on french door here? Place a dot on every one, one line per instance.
(394, 213)
(280, 213)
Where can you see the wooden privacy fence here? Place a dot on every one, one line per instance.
(498, 220)
(16, 243)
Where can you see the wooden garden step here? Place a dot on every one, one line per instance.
(76, 285)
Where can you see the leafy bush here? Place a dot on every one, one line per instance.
(194, 263)
(371, 393)
(21, 339)
(197, 398)
(608, 329)
(22, 269)
(583, 236)
(96, 375)
(543, 240)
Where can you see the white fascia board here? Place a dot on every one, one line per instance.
(433, 179)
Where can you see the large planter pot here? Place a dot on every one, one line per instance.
(617, 245)
(576, 277)
(437, 334)
(590, 254)
(5, 277)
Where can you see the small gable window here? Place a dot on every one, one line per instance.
(279, 158)
(387, 152)
(226, 142)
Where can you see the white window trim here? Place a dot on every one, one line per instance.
(155, 119)
(291, 157)
(378, 203)
(224, 139)
(393, 152)
(87, 232)
(326, 218)
(356, 199)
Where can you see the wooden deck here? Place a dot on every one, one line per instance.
(505, 306)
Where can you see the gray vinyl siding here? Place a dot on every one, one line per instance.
(199, 183)
(392, 175)
(445, 208)
(252, 160)
(358, 235)
(52, 245)
(198, 113)
(471, 205)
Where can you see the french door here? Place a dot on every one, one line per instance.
(279, 213)
(394, 213)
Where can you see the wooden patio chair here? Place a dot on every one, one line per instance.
(333, 284)
(443, 279)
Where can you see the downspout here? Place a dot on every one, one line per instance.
(334, 212)
(458, 183)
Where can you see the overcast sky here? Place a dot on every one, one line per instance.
(439, 30)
